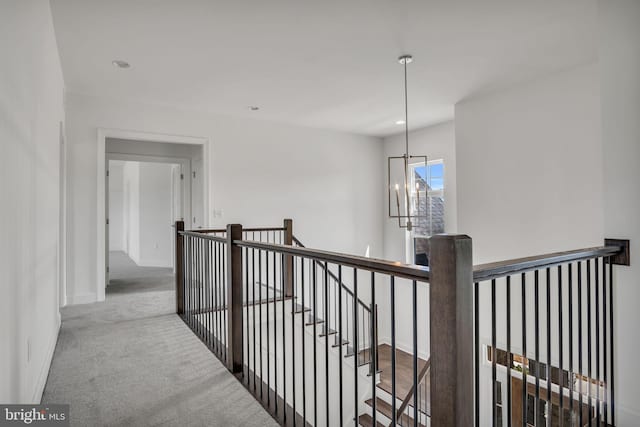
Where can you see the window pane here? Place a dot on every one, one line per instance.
(436, 170)
(436, 183)
(422, 171)
(427, 199)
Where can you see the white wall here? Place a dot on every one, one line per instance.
(147, 212)
(155, 215)
(436, 142)
(529, 168)
(116, 207)
(260, 173)
(31, 110)
(619, 52)
(131, 180)
(529, 182)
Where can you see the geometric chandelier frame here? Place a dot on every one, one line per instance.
(403, 199)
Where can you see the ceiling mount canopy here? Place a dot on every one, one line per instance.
(407, 206)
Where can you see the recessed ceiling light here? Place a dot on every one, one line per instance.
(400, 122)
(254, 108)
(120, 63)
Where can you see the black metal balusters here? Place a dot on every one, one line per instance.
(509, 354)
(494, 356)
(414, 288)
(570, 375)
(560, 349)
(524, 362)
(612, 386)
(340, 344)
(549, 401)
(268, 338)
(580, 356)
(373, 349)
(284, 343)
(589, 343)
(253, 306)
(394, 411)
(304, 354)
(604, 340)
(259, 302)
(326, 338)
(536, 285)
(477, 347)
(596, 277)
(355, 346)
(314, 285)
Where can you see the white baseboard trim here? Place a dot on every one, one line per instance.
(153, 263)
(81, 299)
(44, 371)
(406, 347)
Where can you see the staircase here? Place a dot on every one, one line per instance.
(384, 382)
(404, 391)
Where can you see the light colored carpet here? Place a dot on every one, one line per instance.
(130, 361)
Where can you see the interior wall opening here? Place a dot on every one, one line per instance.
(148, 187)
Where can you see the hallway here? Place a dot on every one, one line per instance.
(130, 361)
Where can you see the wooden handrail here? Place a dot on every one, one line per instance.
(218, 239)
(223, 230)
(409, 396)
(209, 230)
(398, 269)
(495, 270)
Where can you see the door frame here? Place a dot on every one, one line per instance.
(101, 215)
(62, 240)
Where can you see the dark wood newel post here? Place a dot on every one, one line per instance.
(288, 259)
(234, 299)
(179, 268)
(451, 330)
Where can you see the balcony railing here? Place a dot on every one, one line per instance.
(324, 338)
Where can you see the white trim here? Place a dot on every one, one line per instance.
(62, 211)
(81, 299)
(103, 134)
(186, 168)
(161, 263)
(44, 371)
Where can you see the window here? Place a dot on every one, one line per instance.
(428, 197)
(427, 200)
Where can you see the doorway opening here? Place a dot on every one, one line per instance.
(148, 186)
(144, 199)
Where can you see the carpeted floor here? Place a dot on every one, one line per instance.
(130, 361)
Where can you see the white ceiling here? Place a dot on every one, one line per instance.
(323, 63)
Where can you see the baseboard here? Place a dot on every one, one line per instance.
(153, 263)
(44, 372)
(407, 348)
(81, 299)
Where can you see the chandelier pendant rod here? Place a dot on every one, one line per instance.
(406, 153)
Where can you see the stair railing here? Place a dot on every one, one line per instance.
(368, 317)
(459, 315)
